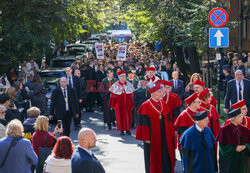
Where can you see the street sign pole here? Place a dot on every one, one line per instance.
(218, 38)
(208, 62)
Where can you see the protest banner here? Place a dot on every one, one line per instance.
(121, 55)
(99, 50)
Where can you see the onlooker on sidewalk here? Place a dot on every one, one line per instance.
(2, 127)
(38, 138)
(59, 161)
(21, 154)
(83, 159)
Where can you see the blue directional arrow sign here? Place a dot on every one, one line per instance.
(218, 37)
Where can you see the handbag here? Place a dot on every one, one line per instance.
(44, 152)
(12, 144)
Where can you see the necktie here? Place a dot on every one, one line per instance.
(70, 84)
(64, 93)
(240, 96)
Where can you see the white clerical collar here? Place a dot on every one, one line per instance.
(88, 151)
(198, 128)
(109, 79)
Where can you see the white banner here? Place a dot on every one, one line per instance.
(122, 51)
(99, 50)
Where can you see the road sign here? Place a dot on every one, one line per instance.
(218, 37)
(218, 17)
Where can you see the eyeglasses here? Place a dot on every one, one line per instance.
(197, 102)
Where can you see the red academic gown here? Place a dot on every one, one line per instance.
(152, 133)
(183, 122)
(121, 100)
(173, 101)
(213, 116)
(245, 122)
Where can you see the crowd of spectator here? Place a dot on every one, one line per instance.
(24, 111)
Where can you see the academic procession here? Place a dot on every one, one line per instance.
(139, 93)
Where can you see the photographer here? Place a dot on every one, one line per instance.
(5, 101)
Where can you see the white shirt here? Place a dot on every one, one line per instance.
(242, 89)
(198, 128)
(66, 103)
(88, 151)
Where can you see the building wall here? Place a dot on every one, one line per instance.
(233, 14)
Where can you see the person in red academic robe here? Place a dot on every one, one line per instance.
(199, 87)
(242, 105)
(151, 77)
(174, 104)
(155, 128)
(121, 100)
(185, 119)
(213, 116)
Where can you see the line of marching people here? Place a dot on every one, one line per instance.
(162, 126)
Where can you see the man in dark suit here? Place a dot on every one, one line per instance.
(73, 82)
(237, 89)
(64, 104)
(83, 160)
(178, 85)
(91, 86)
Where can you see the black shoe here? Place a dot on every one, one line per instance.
(122, 133)
(128, 132)
(114, 124)
(109, 126)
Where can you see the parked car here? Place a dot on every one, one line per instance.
(62, 61)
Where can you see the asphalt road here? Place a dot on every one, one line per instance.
(117, 153)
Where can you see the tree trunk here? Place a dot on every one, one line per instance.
(180, 60)
(194, 60)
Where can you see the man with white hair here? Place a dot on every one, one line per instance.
(2, 116)
(83, 160)
(64, 105)
(237, 90)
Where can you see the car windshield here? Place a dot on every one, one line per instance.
(75, 50)
(50, 87)
(62, 63)
(54, 74)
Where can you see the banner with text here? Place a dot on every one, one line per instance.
(99, 50)
(121, 55)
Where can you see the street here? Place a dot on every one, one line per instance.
(117, 153)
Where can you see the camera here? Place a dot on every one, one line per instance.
(59, 124)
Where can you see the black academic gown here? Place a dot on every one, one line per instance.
(108, 114)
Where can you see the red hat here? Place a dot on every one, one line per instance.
(239, 104)
(154, 89)
(163, 82)
(198, 82)
(151, 69)
(203, 93)
(121, 72)
(191, 98)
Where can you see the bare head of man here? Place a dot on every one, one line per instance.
(87, 138)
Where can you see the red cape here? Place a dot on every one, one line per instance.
(173, 101)
(123, 106)
(234, 135)
(213, 101)
(184, 120)
(245, 122)
(213, 116)
(143, 133)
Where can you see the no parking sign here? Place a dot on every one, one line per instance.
(218, 17)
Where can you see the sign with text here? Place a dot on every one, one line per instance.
(122, 51)
(99, 50)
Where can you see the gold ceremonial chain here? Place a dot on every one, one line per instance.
(167, 97)
(189, 116)
(246, 121)
(156, 108)
(209, 110)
